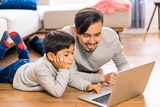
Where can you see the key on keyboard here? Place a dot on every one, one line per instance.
(102, 99)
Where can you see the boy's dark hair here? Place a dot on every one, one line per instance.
(57, 40)
(85, 17)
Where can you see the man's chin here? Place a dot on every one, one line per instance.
(90, 50)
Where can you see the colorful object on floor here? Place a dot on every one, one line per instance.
(109, 6)
(4, 40)
(19, 4)
(17, 40)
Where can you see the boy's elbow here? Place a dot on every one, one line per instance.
(57, 95)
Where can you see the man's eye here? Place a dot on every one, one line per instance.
(86, 35)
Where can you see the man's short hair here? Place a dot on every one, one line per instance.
(85, 17)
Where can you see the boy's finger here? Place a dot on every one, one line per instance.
(99, 85)
(98, 89)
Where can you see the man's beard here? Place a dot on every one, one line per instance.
(91, 50)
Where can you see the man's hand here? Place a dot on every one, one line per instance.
(59, 62)
(95, 87)
(109, 78)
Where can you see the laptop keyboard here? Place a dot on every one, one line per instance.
(102, 99)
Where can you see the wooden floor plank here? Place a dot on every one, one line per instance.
(137, 52)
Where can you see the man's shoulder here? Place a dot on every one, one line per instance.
(109, 33)
(68, 29)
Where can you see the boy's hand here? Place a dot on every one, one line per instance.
(59, 62)
(109, 78)
(95, 87)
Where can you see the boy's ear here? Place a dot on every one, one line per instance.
(50, 56)
(74, 30)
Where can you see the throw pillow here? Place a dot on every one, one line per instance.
(19, 4)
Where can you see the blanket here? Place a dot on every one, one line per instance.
(109, 6)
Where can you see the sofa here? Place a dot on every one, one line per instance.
(26, 22)
(61, 15)
(49, 16)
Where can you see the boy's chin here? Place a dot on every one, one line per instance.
(68, 66)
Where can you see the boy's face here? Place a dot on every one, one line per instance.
(63, 59)
(67, 55)
(90, 39)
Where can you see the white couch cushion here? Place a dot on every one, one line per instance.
(45, 2)
(25, 22)
(3, 27)
(62, 15)
(3, 24)
(119, 19)
(41, 9)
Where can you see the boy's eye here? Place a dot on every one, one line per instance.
(97, 35)
(66, 55)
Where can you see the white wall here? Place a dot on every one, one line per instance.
(149, 6)
(56, 2)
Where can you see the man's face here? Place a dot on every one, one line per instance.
(90, 39)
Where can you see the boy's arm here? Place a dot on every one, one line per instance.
(77, 82)
(56, 83)
(95, 87)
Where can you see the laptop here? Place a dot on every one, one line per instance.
(129, 83)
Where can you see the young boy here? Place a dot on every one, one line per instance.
(52, 72)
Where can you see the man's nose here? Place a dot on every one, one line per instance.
(91, 40)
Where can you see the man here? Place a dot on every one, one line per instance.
(96, 45)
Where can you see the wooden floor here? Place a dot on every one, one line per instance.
(137, 52)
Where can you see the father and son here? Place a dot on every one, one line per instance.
(71, 56)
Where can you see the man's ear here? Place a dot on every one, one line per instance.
(50, 56)
(74, 30)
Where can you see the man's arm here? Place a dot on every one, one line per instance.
(120, 59)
